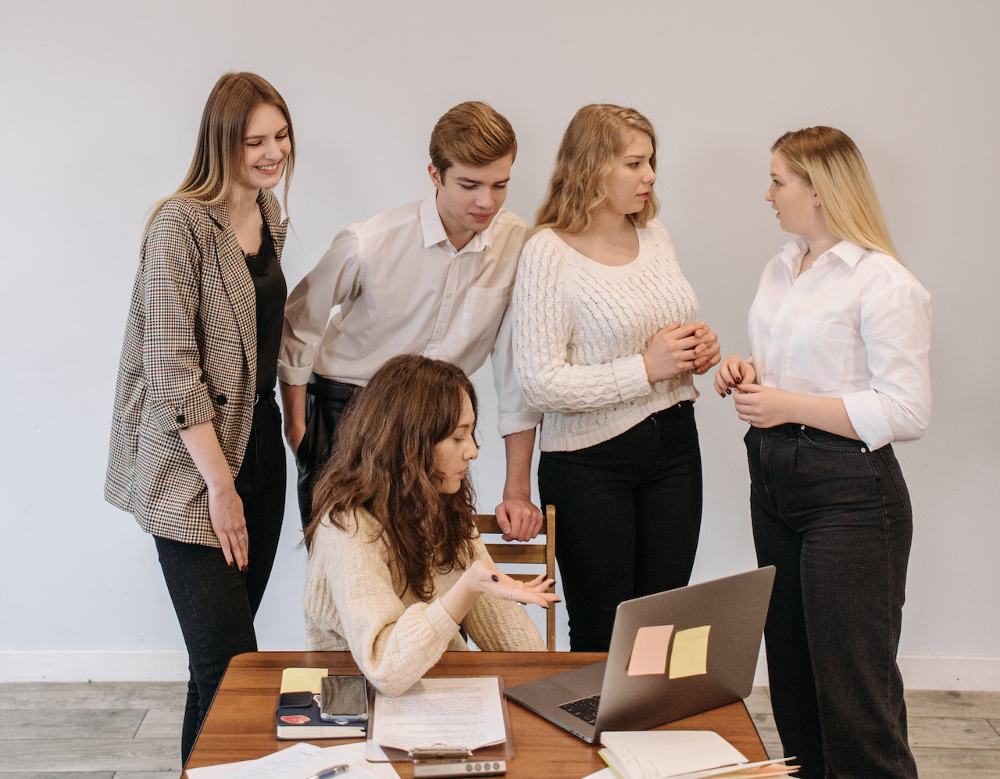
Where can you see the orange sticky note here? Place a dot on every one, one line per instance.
(690, 653)
(649, 652)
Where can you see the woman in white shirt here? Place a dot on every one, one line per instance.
(605, 342)
(840, 334)
(395, 563)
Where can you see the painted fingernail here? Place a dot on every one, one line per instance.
(495, 578)
(232, 563)
(245, 567)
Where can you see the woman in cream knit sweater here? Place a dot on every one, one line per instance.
(395, 563)
(605, 342)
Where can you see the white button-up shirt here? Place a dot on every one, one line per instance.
(401, 287)
(855, 326)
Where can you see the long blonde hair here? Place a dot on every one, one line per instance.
(219, 151)
(595, 138)
(828, 160)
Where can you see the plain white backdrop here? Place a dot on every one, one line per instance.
(99, 106)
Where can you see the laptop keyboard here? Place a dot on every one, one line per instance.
(584, 708)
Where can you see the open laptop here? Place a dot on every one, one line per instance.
(704, 668)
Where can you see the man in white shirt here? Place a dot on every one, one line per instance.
(433, 278)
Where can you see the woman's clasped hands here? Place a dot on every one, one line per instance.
(679, 348)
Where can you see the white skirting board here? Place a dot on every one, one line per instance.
(919, 672)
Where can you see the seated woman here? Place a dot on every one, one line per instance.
(395, 561)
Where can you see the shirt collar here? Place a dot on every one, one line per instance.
(434, 232)
(848, 253)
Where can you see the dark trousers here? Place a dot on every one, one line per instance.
(216, 604)
(326, 401)
(628, 513)
(835, 520)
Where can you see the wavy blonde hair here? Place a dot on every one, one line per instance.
(829, 161)
(218, 154)
(595, 138)
(383, 463)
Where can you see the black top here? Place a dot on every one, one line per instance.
(269, 285)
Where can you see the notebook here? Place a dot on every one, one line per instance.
(672, 654)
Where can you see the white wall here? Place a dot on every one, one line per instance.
(100, 103)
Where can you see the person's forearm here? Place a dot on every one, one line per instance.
(203, 445)
(827, 414)
(519, 448)
(293, 401)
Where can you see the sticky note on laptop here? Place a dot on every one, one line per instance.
(689, 656)
(649, 652)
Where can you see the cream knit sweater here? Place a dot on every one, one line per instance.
(581, 329)
(352, 602)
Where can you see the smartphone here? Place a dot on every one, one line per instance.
(344, 699)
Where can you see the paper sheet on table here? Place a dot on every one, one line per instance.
(649, 651)
(298, 762)
(649, 754)
(457, 713)
(689, 656)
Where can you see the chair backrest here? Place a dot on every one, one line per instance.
(538, 551)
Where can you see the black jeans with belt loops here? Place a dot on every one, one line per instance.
(628, 512)
(834, 518)
(216, 604)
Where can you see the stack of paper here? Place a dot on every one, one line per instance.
(681, 754)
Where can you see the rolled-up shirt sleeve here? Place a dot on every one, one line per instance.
(896, 332)
(336, 278)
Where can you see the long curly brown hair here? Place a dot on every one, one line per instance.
(383, 463)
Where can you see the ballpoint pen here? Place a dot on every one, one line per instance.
(333, 770)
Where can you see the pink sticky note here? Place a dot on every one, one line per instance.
(649, 652)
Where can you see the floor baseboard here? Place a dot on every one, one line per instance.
(920, 672)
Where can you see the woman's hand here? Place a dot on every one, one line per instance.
(707, 352)
(229, 525)
(764, 406)
(671, 351)
(733, 370)
(483, 577)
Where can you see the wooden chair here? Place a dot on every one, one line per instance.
(538, 551)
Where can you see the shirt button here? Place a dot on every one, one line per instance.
(222, 400)
(180, 419)
(803, 427)
(863, 450)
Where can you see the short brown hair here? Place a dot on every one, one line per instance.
(471, 134)
(383, 463)
(596, 136)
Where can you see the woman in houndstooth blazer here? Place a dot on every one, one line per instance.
(196, 452)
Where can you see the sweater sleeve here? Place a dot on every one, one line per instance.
(350, 592)
(498, 625)
(542, 332)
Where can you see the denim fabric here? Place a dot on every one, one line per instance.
(628, 513)
(835, 520)
(216, 604)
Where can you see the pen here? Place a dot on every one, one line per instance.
(333, 770)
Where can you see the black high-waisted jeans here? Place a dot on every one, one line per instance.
(834, 518)
(628, 512)
(216, 604)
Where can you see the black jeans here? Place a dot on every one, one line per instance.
(216, 604)
(326, 401)
(628, 513)
(835, 520)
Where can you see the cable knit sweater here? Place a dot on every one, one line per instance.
(352, 602)
(581, 329)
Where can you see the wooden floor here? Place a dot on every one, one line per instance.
(131, 730)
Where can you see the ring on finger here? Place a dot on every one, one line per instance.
(510, 594)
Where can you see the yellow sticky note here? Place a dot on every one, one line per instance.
(690, 654)
(649, 652)
(302, 679)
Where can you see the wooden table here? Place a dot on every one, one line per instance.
(240, 724)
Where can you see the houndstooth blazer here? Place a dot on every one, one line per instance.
(189, 355)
